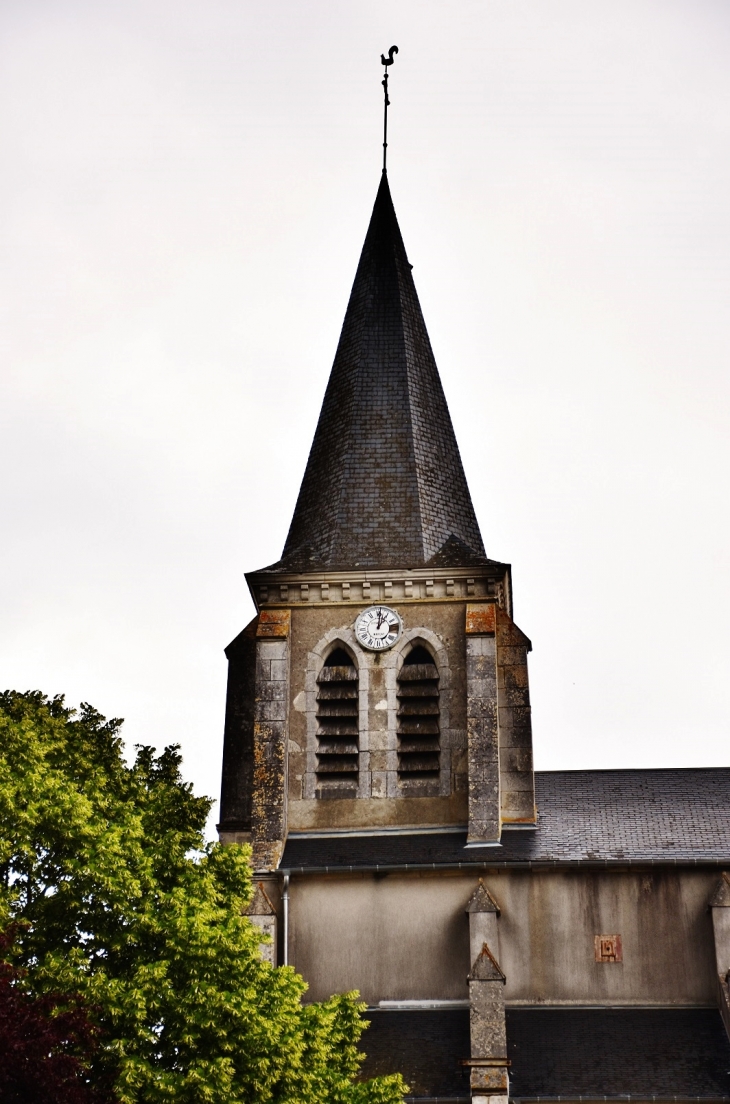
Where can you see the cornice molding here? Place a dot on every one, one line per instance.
(486, 583)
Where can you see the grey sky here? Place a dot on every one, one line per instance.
(184, 192)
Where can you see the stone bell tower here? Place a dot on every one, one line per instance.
(382, 685)
(378, 758)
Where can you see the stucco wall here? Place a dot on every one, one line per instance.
(397, 937)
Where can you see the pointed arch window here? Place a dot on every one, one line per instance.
(337, 726)
(418, 717)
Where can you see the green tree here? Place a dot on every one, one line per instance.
(45, 1043)
(123, 904)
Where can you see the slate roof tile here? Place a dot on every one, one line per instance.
(384, 485)
(612, 816)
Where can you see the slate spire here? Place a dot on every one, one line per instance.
(384, 485)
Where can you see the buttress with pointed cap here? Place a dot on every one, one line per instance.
(384, 485)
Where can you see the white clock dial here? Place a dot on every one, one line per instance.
(378, 628)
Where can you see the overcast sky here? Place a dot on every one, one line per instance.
(184, 191)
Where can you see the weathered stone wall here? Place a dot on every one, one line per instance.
(390, 938)
(487, 1028)
(261, 911)
(237, 778)
(271, 723)
(487, 1024)
(485, 775)
(406, 936)
(499, 726)
(517, 779)
(316, 631)
(482, 722)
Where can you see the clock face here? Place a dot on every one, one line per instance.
(378, 628)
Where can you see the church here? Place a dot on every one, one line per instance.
(562, 935)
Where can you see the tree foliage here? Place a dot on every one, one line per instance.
(45, 1043)
(123, 904)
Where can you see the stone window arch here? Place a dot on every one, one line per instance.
(338, 724)
(418, 716)
(440, 783)
(357, 783)
(378, 719)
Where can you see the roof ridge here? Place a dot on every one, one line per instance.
(628, 770)
(410, 398)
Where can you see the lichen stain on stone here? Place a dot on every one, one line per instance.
(480, 618)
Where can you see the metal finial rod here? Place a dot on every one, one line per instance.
(385, 62)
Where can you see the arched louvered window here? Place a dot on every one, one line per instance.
(337, 726)
(418, 716)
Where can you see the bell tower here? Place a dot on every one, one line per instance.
(383, 683)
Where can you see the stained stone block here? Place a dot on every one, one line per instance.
(482, 708)
(279, 670)
(517, 784)
(516, 695)
(513, 759)
(514, 677)
(483, 912)
(487, 1026)
(271, 691)
(520, 737)
(518, 806)
(490, 1081)
(509, 656)
(274, 710)
(262, 913)
(482, 735)
(263, 668)
(270, 740)
(378, 784)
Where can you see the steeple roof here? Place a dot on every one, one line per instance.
(384, 485)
